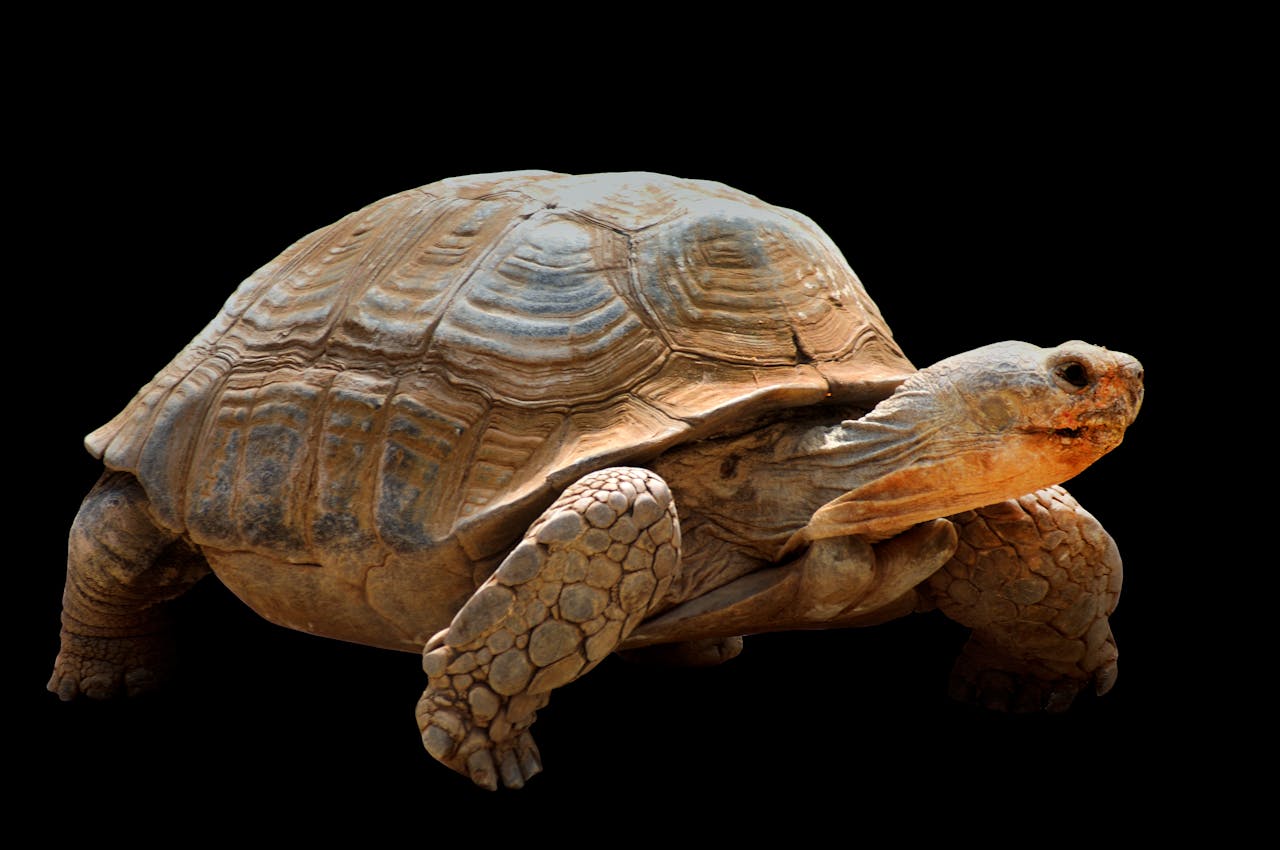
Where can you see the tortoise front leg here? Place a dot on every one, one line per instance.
(1036, 579)
(584, 576)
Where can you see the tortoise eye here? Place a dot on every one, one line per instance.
(1072, 373)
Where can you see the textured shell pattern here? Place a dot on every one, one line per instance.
(442, 362)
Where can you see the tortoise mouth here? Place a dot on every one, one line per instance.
(1101, 435)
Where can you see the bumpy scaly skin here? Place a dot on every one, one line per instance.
(1035, 578)
(121, 568)
(584, 576)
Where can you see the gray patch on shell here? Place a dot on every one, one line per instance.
(397, 496)
(211, 518)
(266, 485)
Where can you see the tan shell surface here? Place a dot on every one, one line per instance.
(436, 367)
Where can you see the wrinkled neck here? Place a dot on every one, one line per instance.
(759, 489)
(901, 431)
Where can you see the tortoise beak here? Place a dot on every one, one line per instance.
(1133, 374)
(1124, 383)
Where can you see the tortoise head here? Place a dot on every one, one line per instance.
(1071, 403)
(977, 428)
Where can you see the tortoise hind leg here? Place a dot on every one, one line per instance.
(1036, 579)
(121, 567)
(584, 576)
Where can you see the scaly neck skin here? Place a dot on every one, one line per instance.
(929, 451)
(753, 492)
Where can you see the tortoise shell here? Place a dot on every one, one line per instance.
(440, 364)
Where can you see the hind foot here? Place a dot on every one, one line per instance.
(122, 570)
(106, 667)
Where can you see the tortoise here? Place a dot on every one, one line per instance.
(518, 421)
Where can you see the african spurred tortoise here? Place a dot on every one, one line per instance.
(518, 421)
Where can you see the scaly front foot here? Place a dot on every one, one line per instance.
(469, 726)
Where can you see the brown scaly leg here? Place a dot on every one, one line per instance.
(585, 575)
(1035, 578)
(121, 567)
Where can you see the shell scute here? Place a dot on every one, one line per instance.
(517, 445)
(388, 320)
(734, 281)
(549, 315)
(426, 444)
(346, 468)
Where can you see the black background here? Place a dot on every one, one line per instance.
(995, 205)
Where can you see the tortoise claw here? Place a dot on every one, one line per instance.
(1104, 678)
(530, 760)
(102, 668)
(512, 776)
(481, 769)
